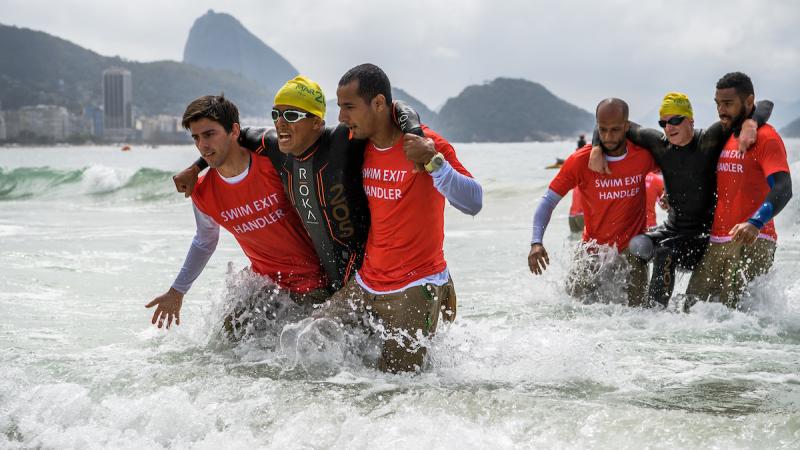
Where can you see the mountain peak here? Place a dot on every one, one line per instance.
(510, 110)
(219, 41)
(792, 130)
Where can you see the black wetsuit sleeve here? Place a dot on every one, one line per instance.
(781, 191)
(406, 118)
(250, 138)
(201, 163)
(763, 112)
(715, 136)
(647, 138)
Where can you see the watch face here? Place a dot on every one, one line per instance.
(435, 163)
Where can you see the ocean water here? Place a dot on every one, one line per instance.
(88, 235)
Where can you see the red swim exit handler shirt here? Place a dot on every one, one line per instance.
(613, 205)
(258, 214)
(742, 182)
(406, 232)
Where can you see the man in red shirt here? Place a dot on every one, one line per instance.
(752, 188)
(245, 196)
(614, 205)
(404, 280)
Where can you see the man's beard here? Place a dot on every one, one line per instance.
(736, 122)
(607, 149)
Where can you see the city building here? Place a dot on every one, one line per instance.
(48, 121)
(118, 104)
(163, 129)
(11, 119)
(95, 116)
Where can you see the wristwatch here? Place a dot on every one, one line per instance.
(435, 163)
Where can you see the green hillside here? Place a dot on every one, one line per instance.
(37, 68)
(510, 110)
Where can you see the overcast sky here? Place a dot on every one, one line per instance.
(582, 51)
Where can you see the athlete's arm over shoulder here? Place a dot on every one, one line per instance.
(647, 138)
(749, 131)
(407, 118)
(715, 136)
(650, 139)
(255, 139)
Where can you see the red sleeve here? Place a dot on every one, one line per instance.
(447, 150)
(656, 183)
(653, 165)
(567, 177)
(772, 156)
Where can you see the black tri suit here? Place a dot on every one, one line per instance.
(690, 182)
(324, 184)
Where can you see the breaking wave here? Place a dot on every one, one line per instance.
(25, 183)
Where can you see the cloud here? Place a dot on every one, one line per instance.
(580, 50)
(445, 53)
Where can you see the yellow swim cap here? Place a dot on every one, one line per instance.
(303, 93)
(676, 104)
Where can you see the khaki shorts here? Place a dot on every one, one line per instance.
(576, 224)
(758, 258)
(727, 268)
(267, 311)
(402, 319)
(591, 279)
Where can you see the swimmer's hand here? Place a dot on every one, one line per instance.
(744, 233)
(597, 161)
(186, 179)
(538, 259)
(747, 136)
(419, 150)
(169, 308)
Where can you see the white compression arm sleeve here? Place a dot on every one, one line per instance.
(541, 218)
(203, 246)
(463, 192)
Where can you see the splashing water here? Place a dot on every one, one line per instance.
(523, 366)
